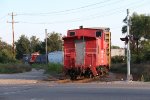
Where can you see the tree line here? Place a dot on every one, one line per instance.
(140, 48)
(25, 45)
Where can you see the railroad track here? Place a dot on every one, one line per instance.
(65, 79)
(78, 80)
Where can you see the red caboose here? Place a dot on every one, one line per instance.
(87, 52)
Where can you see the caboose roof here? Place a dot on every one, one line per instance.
(87, 32)
(102, 28)
(97, 28)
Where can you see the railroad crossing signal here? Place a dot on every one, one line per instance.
(129, 38)
(126, 39)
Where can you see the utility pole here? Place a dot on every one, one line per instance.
(13, 44)
(46, 44)
(128, 47)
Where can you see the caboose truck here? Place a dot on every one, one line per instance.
(87, 52)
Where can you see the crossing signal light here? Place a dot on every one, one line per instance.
(126, 39)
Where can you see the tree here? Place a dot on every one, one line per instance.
(145, 48)
(54, 42)
(34, 44)
(41, 47)
(140, 29)
(6, 54)
(26, 46)
(140, 26)
(22, 46)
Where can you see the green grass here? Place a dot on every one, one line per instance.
(10, 68)
(39, 66)
(54, 68)
(49, 68)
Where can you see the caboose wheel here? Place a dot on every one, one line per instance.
(88, 74)
(73, 77)
(72, 74)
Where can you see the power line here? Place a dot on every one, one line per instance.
(76, 10)
(110, 12)
(90, 17)
(75, 20)
(3, 17)
(86, 10)
(68, 10)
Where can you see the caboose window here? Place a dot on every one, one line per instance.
(98, 34)
(72, 33)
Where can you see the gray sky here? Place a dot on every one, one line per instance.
(34, 16)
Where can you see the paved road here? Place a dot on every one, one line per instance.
(75, 91)
(26, 86)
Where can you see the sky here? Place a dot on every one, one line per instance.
(32, 17)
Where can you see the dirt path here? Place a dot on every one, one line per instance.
(33, 76)
(38, 76)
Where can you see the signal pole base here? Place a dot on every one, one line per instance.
(129, 78)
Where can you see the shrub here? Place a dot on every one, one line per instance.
(119, 68)
(141, 71)
(54, 68)
(38, 66)
(14, 68)
(118, 59)
(6, 56)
